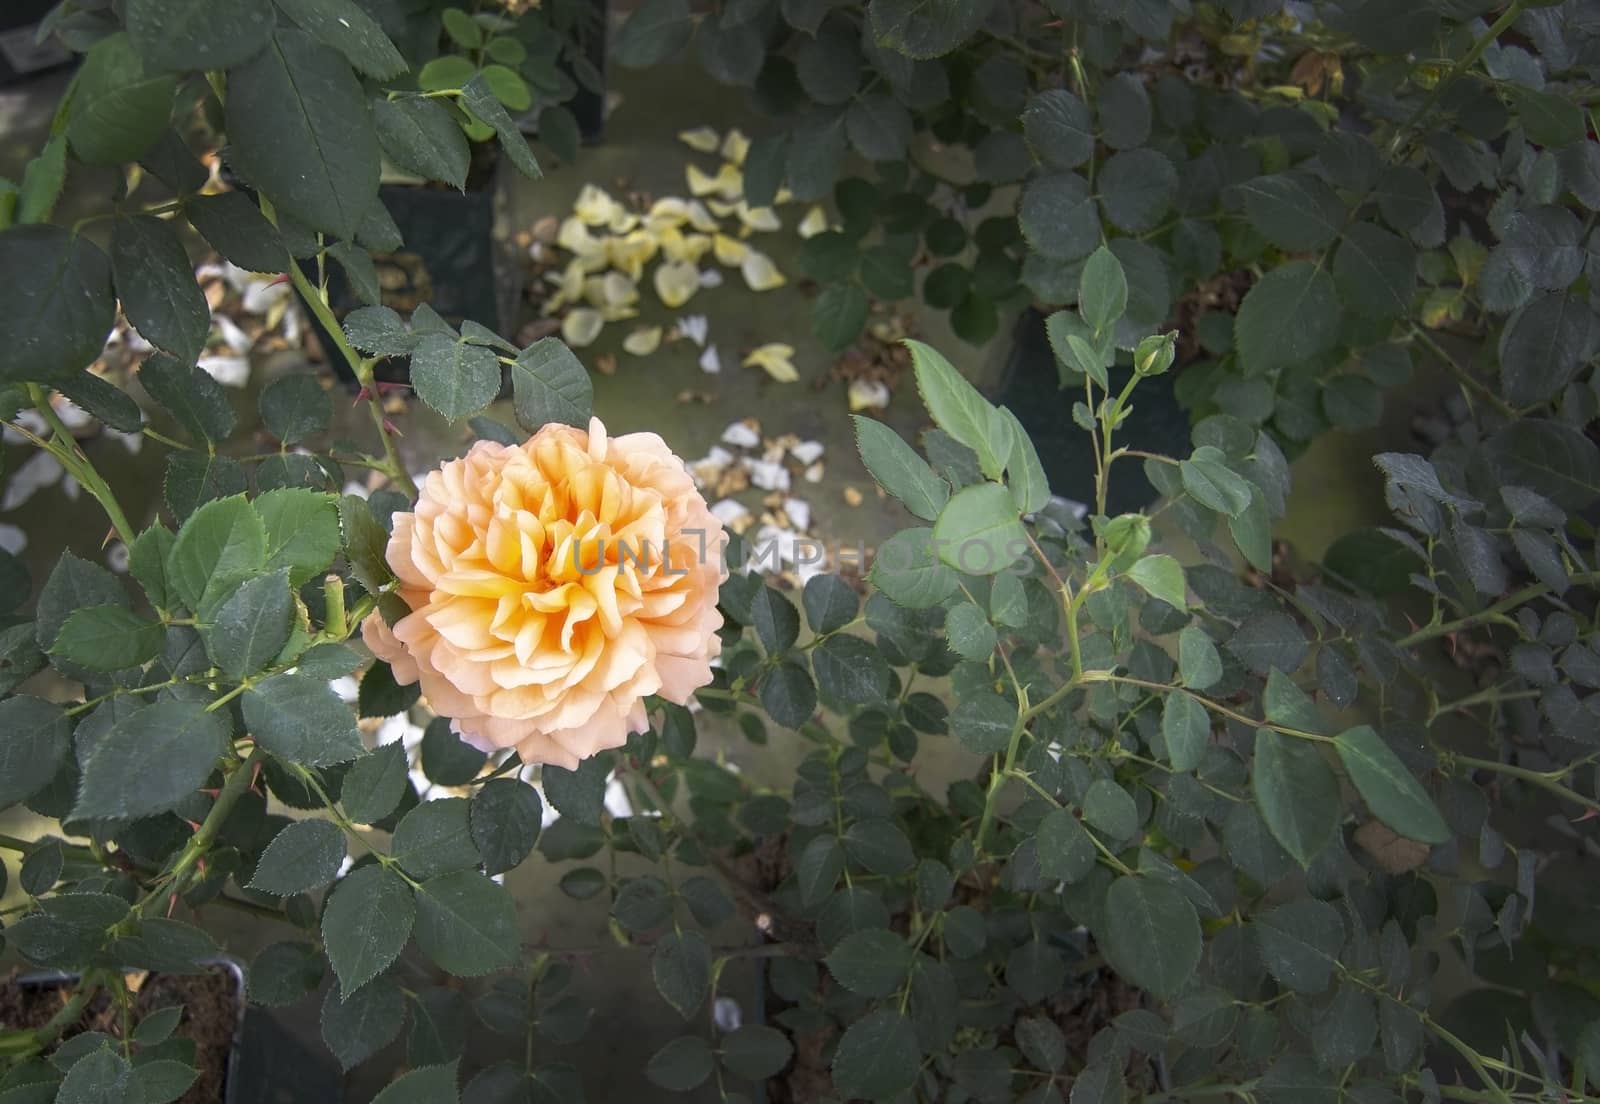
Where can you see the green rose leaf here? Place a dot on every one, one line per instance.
(1151, 935)
(1161, 576)
(58, 305)
(108, 638)
(303, 857)
(119, 110)
(877, 1057)
(365, 924)
(300, 130)
(152, 759)
(252, 625)
(456, 379)
(1388, 787)
(1297, 794)
(301, 720)
(157, 286)
(35, 736)
(467, 923)
(871, 963)
(1291, 315)
(681, 966)
(978, 531)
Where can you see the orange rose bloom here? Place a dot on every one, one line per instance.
(552, 585)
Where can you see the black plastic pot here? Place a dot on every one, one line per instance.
(266, 1064)
(588, 107)
(450, 260)
(20, 56)
(1032, 389)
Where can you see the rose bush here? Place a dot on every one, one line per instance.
(1086, 806)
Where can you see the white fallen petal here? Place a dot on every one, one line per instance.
(72, 416)
(35, 473)
(232, 336)
(230, 371)
(741, 435)
(13, 539)
(807, 452)
(769, 475)
(728, 511)
(710, 278)
(694, 327)
(261, 295)
(710, 361)
(799, 511)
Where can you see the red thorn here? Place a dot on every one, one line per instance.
(194, 825)
(276, 280)
(172, 903)
(361, 395)
(390, 427)
(211, 793)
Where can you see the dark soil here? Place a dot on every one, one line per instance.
(212, 1002)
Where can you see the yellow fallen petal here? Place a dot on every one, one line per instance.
(759, 218)
(730, 251)
(700, 218)
(735, 146)
(784, 196)
(668, 211)
(622, 221)
(630, 253)
(760, 273)
(594, 206)
(594, 291)
(776, 359)
(700, 183)
(867, 394)
(723, 210)
(580, 327)
(643, 341)
(569, 285)
(618, 312)
(685, 247)
(575, 237)
(676, 282)
(730, 181)
(815, 222)
(618, 290)
(700, 139)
